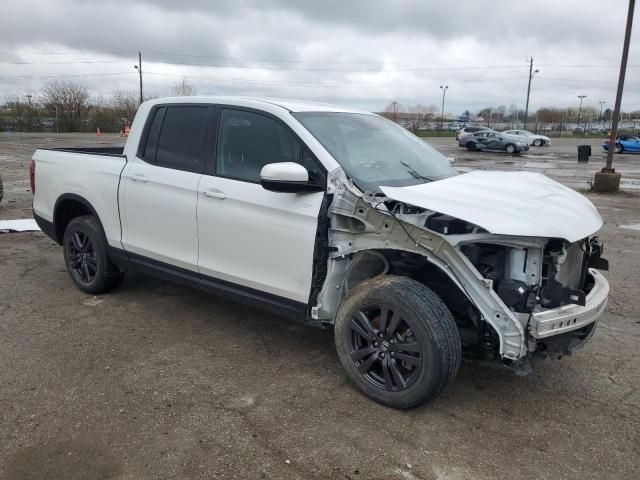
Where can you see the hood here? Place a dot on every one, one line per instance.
(507, 203)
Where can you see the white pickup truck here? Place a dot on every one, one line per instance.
(341, 219)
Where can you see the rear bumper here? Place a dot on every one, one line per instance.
(46, 226)
(557, 321)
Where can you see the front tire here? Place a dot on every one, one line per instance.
(85, 256)
(618, 148)
(537, 142)
(510, 148)
(397, 341)
(472, 147)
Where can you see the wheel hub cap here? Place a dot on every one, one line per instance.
(384, 348)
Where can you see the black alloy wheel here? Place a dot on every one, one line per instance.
(384, 349)
(86, 256)
(82, 257)
(397, 341)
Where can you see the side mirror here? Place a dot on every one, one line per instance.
(288, 177)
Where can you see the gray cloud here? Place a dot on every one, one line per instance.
(357, 52)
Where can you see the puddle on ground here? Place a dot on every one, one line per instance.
(542, 156)
(537, 165)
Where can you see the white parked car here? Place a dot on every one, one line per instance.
(529, 137)
(341, 219)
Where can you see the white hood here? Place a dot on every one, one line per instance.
(507, 203)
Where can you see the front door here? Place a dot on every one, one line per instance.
(250, 236)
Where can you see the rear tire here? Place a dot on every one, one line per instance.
(510, 148)
(397, 341)
(85, 256)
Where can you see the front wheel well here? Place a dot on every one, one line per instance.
(474, 332)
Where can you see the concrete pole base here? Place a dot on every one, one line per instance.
(606, 182)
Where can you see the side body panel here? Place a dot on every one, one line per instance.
(92, 177)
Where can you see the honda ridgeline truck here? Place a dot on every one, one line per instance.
(341, 219)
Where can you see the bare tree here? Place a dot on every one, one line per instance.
(71, 102)
(419, 117)
(125, 104)
(23, 111)
(183, 88)
(392, 110)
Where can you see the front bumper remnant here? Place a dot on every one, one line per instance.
(557, 321)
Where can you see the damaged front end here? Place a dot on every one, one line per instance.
(553, 289)
(511, 295)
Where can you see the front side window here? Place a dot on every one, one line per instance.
(248, 141)
(181, 140)
(374, 151)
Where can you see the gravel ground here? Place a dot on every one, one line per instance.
(159, 381)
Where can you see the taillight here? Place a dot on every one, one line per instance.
(32, 176)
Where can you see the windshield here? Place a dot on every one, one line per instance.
(374, 151)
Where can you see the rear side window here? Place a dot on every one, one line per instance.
(181, 139)
(149, 153)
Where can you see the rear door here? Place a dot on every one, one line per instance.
(249, 236)
(159, 186)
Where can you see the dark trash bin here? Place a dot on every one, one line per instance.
(584, 152)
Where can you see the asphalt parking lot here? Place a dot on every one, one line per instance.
(160, 381)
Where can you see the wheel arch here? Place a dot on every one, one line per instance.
(367, 264)
(67, 207)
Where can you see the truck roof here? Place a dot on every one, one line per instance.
(288, 104)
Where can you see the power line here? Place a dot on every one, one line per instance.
(65, 63)
(67, 75)
(303, 83)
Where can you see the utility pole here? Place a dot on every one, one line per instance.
(608, 180)
(601, 102)
(139, 68)
(395, 112)
(581, 97)
(444, 93)
(29, 96)
(531, 74)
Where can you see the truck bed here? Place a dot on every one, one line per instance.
(90, 150)
(92, 173)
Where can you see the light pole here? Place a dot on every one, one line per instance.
(601, 102)
(532, 72)
(444, 93)
(581, 97)
(139, 68)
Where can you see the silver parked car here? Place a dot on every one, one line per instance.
(470, 130)
(492, 141)
(529, 137)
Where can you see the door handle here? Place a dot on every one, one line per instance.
(138, 177)
(213, 193)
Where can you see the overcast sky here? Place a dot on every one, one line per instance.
(353, 52)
